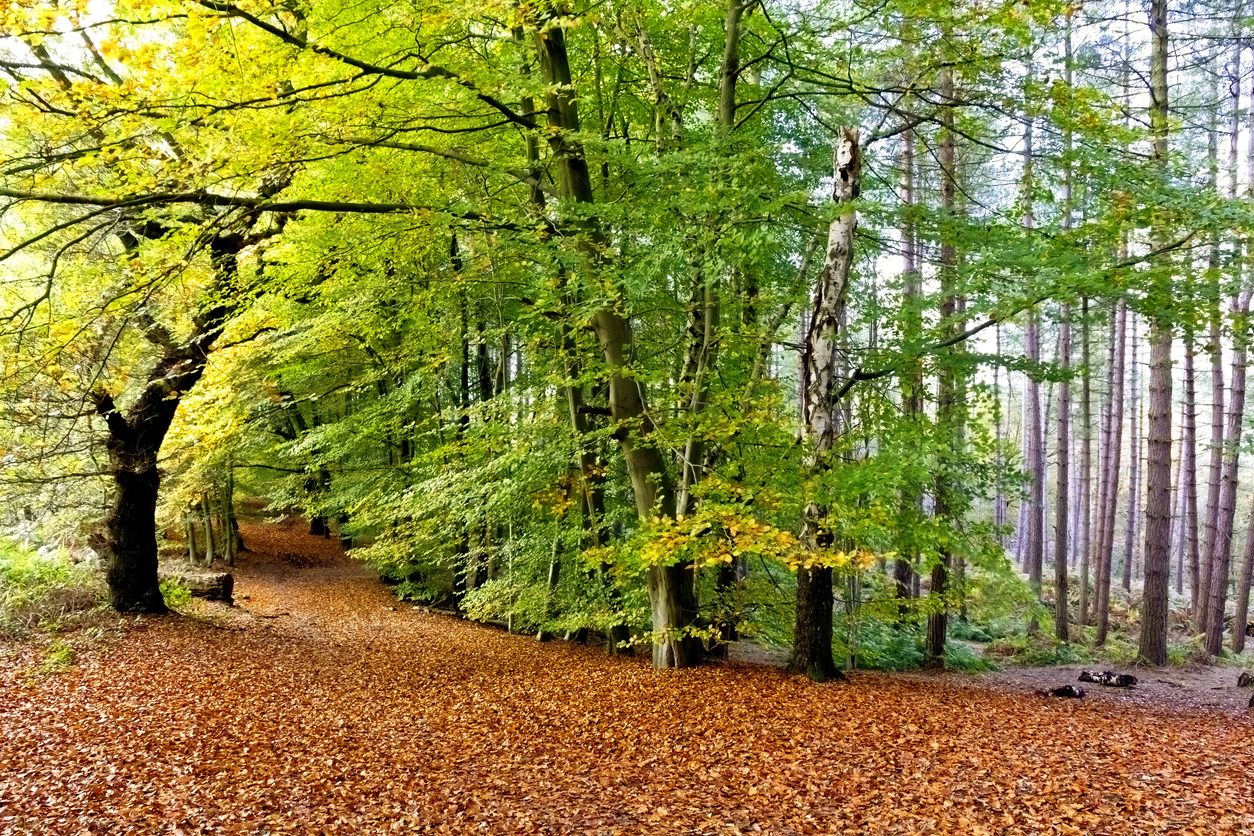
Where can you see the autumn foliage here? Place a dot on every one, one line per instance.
(323, 707)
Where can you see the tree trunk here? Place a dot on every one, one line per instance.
(821, 412)
(912, 395)
(1061, 616)
(1209, 554)
(1134, 455)
(1243, 589)
(1177, 526)
(812, 642)
(672, 592)
(1188, 474)
(1110, 471)
(1207, 558)
(1086, 463)
(1153, 644)
(134, 441)
(189, 530)
(1225, 519)
(1034, 549)
(949, 415)
(1247, 566)
(211, 543)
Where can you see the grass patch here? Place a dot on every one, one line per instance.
(960, 657)
(58, 658)
(1038, 650)
(45, 591)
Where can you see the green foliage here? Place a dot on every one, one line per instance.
(960, 657)
(965, 630)
(885, 646)
(1190, 652)
(423, 371)
(175, 594)
(1038, 650)
(43, 589)
(58, 658)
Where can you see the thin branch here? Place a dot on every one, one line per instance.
(429, 71)
(525, 177)
(231, 201)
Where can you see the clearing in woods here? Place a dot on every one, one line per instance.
(317, 708)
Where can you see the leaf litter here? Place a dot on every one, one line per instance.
(321, 706)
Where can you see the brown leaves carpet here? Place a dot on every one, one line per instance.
(318, 709)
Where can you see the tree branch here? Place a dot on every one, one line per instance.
(428, 71)
(235, 201)
(525, 177)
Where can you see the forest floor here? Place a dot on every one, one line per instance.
(318, 705)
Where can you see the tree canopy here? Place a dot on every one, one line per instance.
(612, 317)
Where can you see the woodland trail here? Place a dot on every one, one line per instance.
(321, 710)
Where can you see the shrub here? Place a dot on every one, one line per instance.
(959, 657)
(175, 594)
(1039, 650)
(43, 588)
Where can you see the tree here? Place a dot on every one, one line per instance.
(822, 394)
(1153, 643)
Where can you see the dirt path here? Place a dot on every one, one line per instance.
(317, 708)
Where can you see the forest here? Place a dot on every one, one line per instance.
(856, 328)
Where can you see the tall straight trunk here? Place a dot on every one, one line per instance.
(1188, 475)
(948, 407)
(1177, 526)
(1221, 559)
(1086, 463)
(1153, 644)
(912, 379)
(822, 413)
(1034, 543)
(1215, 479)
(230, 521)
(1113, 442)
(704, 309)
(1242, 327)
(1243, 589)
(1209, 554)
(1033, 431)
(1061, 615)
(1134, 454)
(211, 545)
(999, 441)
(189, 531)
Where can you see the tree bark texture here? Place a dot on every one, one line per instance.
(821, 410)
(1226, 518)
(1153, 644)
(949, 414)
(1061, 508)
(1134, 456)
(1112, 441)
(1188, 476)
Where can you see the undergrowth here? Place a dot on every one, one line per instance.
(44, 591)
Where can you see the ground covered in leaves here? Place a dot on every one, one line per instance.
(321, 706)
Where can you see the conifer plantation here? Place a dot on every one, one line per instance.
(505, 358)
